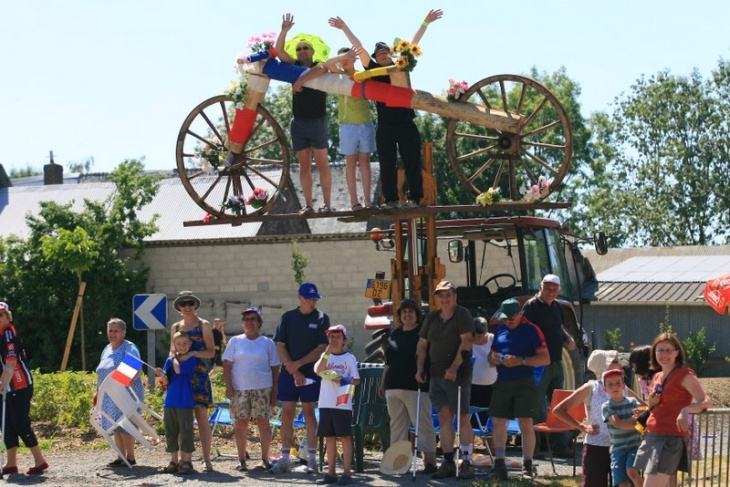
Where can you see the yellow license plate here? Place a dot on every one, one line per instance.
(377, 289)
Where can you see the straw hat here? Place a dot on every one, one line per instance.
(397, 458)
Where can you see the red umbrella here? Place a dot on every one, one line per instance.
(717, 293)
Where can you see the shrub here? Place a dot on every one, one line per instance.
(697, 350)
(613, 340)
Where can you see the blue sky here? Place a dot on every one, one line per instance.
(114, 80)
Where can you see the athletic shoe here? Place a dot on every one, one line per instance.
(466, 470)
(280, 466)
(446, 470)
(390, 205)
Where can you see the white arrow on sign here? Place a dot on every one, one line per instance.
(144, 312)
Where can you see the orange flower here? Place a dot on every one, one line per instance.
(401, 62)
(416, 50)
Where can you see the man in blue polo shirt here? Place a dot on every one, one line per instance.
(518, 347)
(300, 340)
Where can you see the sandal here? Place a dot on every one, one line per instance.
(264, 466)
(187, 468)
(208, 467)
(171, 468)
(306, 210)
(325, 209)
(241, 467)
(357, 207)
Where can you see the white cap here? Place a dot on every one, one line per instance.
(551, 278)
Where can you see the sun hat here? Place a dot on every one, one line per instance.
(340, 328)
(509, 308)
(609, 373)
(309, 291)
(379, 46)
(397, 459)
(444, 286)
(599, 360)
(552, 279)
(185, 296)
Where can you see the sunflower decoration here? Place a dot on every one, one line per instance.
(406, 53)
(490, 196)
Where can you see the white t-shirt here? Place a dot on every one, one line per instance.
(252, 362)
(331, 394)
(484, 374)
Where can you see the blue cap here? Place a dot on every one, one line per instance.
(309, 291)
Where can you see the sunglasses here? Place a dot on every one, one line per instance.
(303, 48)
(187, 303)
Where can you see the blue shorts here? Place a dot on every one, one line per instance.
(334, 422)
(309, 132)
(355, 138)
(622, 459)
(290, 392)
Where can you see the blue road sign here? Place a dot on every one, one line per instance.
(150, 311)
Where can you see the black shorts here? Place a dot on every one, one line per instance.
(334, 422)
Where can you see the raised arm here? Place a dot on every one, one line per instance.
(287, 21)
(338, 23)
(320, 69)
(432, 16)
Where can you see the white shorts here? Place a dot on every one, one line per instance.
(356, 138)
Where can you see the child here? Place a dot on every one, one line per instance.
(335, 402)
(178, 419)
(617, 412)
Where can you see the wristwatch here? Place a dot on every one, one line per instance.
(524, 361)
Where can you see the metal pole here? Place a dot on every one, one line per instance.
(415, 443)
(458, 427)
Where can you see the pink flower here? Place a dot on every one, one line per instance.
(207, 217)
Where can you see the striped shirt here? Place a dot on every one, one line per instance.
(621, 438)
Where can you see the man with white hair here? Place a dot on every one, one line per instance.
(545, 311)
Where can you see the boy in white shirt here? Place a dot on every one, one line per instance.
(338, 368)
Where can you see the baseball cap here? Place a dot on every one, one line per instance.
(340, 328)
(509, 308)
(552, 279)
(309, 291)
(444, 286)
(609, 373)
(4, 306)
(252, 309)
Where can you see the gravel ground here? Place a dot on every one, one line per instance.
(87, 467)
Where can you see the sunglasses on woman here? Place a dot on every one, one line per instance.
(187, 303)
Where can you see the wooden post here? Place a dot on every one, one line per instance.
(72, 328)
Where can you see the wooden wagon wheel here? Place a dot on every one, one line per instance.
(264, 162)
(485, 158)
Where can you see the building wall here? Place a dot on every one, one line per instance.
(229, 278)
(640, 325)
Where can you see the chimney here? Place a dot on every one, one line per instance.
(52, 173)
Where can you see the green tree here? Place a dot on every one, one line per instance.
(42, 294)
(660, 172)
(24, 172)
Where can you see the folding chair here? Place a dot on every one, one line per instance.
(481, 429)
(221, 416)
(555, 425)
(131, 420)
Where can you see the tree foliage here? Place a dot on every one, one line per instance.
(42, 293)
(660, 168)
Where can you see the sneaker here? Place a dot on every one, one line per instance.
(390, 205)
(280, 466)
(327, 479)
(528, 470)
(466, 470)
(230, 159)
(446, 470)
(499, 471)
(429, 469)
(411, 204)
(325, 209)
(344, 480)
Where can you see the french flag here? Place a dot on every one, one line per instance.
(127, 370)
(344, 393)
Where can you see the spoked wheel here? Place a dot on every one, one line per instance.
(485, 158)
(220, 189)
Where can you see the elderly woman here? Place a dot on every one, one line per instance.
(251, 371)
(18, 384)
(675, 393)
(400, 389)
(203, 349)
(596, 455)
(111, 357)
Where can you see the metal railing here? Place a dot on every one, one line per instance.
(709, 450)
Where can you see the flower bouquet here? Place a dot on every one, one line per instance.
(407, 53)
(235, 203)
(258, 199)
(237, 92)
(211, 155)
(456, 89)
(256, 44)
(537, 191)
(492, 195)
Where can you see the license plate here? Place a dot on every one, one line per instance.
(377, 289)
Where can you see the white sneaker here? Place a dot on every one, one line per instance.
(280, 466)
(391, 205)
(410, 204)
